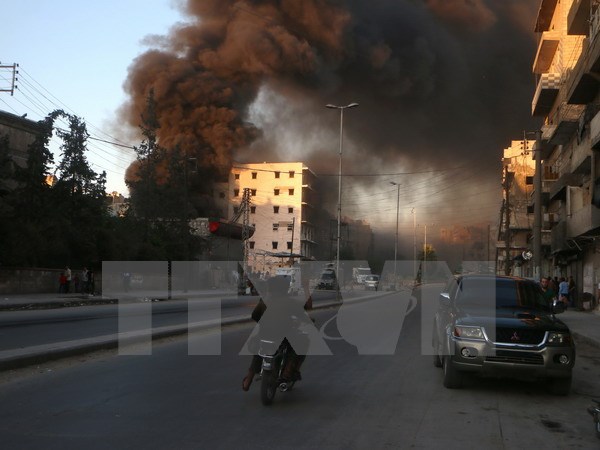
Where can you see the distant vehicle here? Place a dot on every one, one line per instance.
(511, 330)
(371, 282)
(360, 274)
(327, 280)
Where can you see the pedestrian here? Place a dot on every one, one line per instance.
(69, 276)
(62, 283)
(90, 282)
(563, 291)
(572, 291)
(549, 292)
(84, 280)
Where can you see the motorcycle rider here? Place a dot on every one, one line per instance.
(276, 288)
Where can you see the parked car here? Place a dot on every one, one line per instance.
(516, 333)
(371, 282)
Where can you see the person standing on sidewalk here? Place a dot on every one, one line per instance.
(549, 292)
(69, 277)
(62, 283)
(563, 291)
(84, 281)
(572, 292)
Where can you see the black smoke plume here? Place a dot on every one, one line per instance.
(442, 84)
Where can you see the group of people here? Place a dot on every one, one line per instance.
(562, 289)
(83, 282)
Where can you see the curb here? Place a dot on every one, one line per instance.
(15, 359)
(19, 358)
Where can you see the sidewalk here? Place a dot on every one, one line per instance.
(584, 325)
(48, 301)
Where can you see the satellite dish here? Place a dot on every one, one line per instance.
(527, 255)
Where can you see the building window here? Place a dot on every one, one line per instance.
(289, 245)
(253, 192)
(251, 244)
(274, 243)
(235, 209)
(236, 176)
(290, 226)
(236, 192)
(275, 226)
(292, 173)
(253, 210)
(291, 210)
(276, 209)
(291, 191)
(275, 191)
(254, 175)
(276, 174)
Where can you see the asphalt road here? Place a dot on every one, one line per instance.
(19, 329)
(345, 401)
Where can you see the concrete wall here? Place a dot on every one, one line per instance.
(37, 281)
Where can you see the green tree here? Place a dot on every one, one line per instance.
(80, 195)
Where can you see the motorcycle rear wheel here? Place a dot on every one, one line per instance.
(268, 387)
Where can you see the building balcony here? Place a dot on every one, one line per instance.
(545, 94)
(545, 14)
(583, 221)
(546, 50)
(595, 132)
(582, 85)
(566, 119)
(578, 18)
(558, 190)
(581, 159)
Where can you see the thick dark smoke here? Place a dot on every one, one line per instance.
(441, 84)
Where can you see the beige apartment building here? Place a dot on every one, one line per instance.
(516, 220)
(281, 209)
(567, 98)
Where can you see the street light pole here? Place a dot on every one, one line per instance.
(339, 211)
(414, 213)
(396, 243)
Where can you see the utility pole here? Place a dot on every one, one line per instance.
(14, 80)
(537, 208)
(246, 229)
(506, 207)
(414, 213)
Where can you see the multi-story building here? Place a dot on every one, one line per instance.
(567, 67)
(282, 201)
(21, 133)
(515, 230)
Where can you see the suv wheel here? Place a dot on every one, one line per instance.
(452, 377)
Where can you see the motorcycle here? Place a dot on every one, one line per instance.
(594, 410)
(274, 362)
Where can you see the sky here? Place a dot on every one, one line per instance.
(443, 86)
(74, 55)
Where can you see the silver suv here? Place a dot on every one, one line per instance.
(501, 326)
